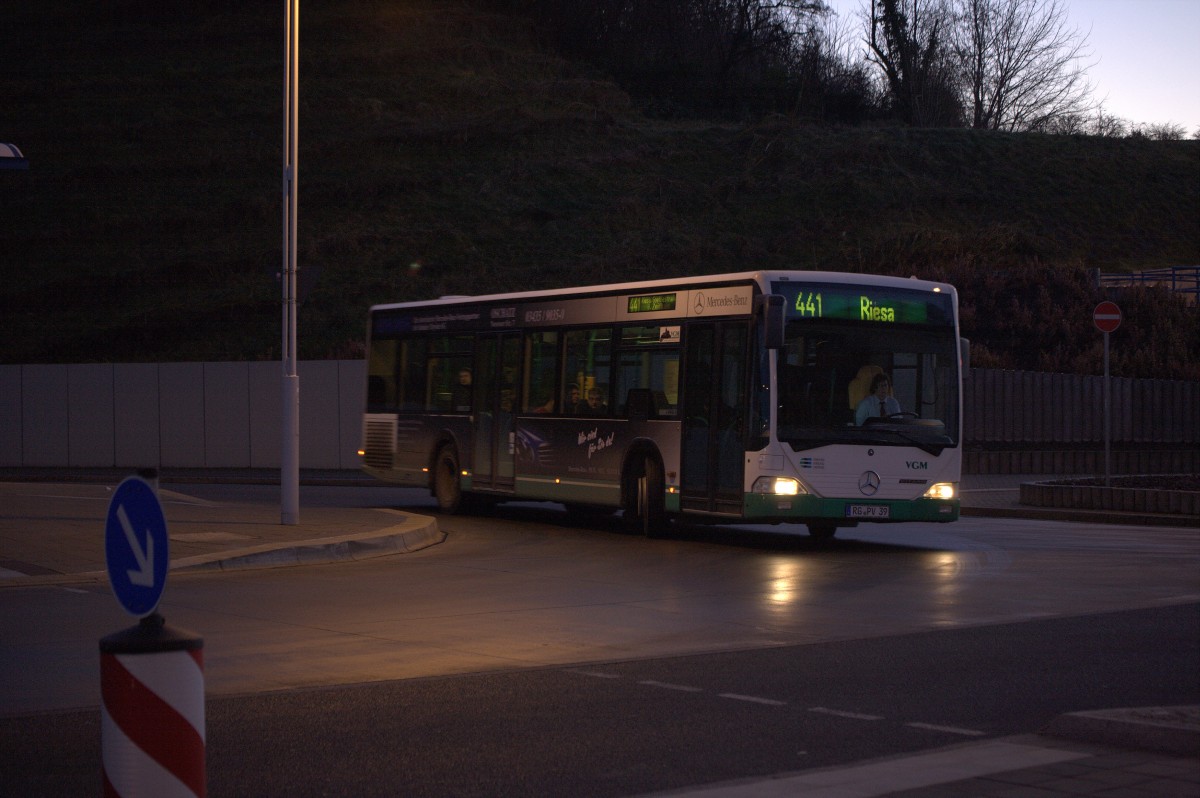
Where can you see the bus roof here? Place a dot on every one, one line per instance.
(761, 278)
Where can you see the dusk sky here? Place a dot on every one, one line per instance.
(1146, 56)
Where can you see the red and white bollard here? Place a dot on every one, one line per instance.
(152, 716)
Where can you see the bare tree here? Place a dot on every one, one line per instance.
(1160, 131)
(1108, 125)
(1023, 67)
(684, 56)
(908, 40)
(833, 81)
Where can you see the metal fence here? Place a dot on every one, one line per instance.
(1030, 408)
(1183, 280)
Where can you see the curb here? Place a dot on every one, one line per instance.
(1167, 730)
(416, 533)
(1055, 493)
(1078, 516)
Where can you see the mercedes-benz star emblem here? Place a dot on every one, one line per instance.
(868, 483)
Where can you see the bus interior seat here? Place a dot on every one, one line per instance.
(660, 405)
(639, 404)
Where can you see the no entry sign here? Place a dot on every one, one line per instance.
(1107, 317)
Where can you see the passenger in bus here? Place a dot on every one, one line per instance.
(879, 403)
(462, 391)
(574, 400)
(595, 404)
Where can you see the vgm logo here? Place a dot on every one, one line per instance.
(917, 465)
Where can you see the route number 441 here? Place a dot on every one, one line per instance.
(809, 304)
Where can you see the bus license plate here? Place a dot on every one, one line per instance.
(868, 511)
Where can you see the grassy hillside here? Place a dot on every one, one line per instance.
(443, 152)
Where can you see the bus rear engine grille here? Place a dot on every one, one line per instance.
(380, 439)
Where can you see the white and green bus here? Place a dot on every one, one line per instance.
(747, 397)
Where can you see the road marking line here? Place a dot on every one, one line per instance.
(596, 674)
(894, 775)
(770, 702)
(839, 713)
(949, 729)
(683, 688)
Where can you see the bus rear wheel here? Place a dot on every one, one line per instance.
(645, 510)
(447, 488)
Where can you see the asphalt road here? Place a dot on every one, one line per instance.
(626, 728)
(526, 655)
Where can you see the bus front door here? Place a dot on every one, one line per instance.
(714, 409)
(497, 359)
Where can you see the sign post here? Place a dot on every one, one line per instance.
(1107, 318)
(289, 470)
(151, 676)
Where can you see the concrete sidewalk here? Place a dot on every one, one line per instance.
(51, 532)
(1045, 765)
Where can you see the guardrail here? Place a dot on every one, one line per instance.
(1179, 279)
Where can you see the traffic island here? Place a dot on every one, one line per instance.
(1160, 494)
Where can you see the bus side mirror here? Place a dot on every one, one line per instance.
(770, 310)
(964, 355)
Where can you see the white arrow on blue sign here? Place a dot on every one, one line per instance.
(135, 547)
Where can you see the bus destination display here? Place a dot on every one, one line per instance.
(651, 303)
(866, 303)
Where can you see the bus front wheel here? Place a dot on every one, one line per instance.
(822, 532)
(446, 486)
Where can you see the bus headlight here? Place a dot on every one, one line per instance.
(778, 486)
(942, 490)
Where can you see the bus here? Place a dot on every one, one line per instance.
(719, 398)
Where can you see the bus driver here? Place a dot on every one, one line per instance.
(879, 403)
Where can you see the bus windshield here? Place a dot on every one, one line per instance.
(829, 377)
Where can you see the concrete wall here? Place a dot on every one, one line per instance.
(226, 415)
(183, 415)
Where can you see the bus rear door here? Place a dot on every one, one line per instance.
(715, 404)
(497, 360)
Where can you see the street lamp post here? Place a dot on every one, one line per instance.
(289, 476)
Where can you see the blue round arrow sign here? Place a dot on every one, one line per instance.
(135, 547)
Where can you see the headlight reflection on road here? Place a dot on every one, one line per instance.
(787, 582)
(946, 586)
(947, 565)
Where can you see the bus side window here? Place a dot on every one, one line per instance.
(376, 392)
(381, 376)
(586, 371)
(438, 400)
(541, 369)
(645, 362)
(449, 362)
(410, 375)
